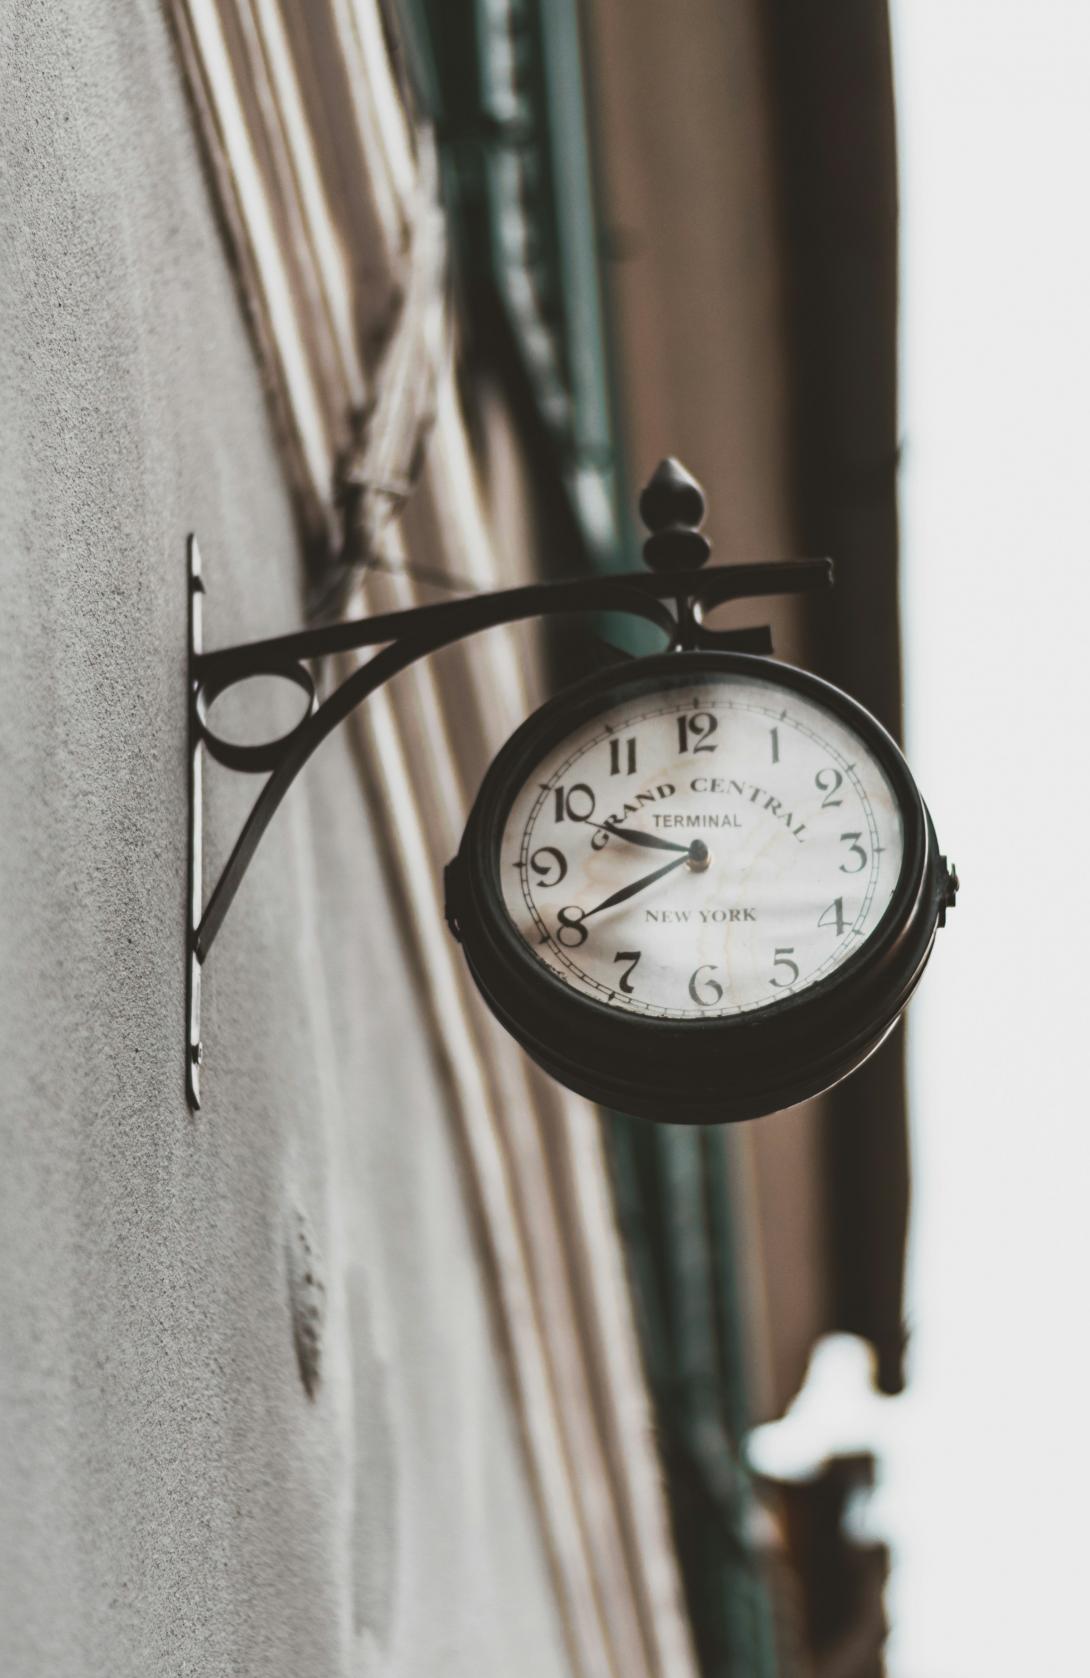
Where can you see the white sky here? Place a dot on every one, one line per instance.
(987, 1459)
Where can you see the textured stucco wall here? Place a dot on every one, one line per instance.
(172, 1501)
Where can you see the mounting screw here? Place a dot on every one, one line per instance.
(672, 507)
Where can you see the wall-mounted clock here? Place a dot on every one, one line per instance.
(699, 887)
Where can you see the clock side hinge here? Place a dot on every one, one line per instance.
(453, 878)
(950, 886)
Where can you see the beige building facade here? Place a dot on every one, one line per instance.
(354, 1370)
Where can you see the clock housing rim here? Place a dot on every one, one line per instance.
(676, 1062)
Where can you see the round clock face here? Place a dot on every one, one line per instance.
(704, 847)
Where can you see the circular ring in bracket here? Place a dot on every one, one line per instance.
(260, 758)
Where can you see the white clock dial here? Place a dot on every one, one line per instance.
(703, 850)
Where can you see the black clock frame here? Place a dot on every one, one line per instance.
(693, 1071)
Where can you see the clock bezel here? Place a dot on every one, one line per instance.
(773, 1055)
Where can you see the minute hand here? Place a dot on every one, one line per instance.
(635, 837)
(637, 885)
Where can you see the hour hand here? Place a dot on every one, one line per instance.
(635, 837)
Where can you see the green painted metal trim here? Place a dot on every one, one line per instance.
(504, 81)
(673, 1206)
(510, 104)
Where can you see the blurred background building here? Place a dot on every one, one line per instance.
(388, 299)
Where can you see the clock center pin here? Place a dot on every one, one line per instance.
(699, 856)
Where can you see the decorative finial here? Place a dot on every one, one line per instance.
(672, 507)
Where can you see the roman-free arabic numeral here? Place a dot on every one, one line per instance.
(547, 860)
(775, 733)
(629, 745)
(632, 957)
(858, 850)
(700, 727)
(829, 787)
(836, 910)
(711, 991)
(576, 803)
(570, 920)
(783, 959)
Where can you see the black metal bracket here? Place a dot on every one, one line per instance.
(672, 506)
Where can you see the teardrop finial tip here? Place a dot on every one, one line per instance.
(672, 507)
(672, 496)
